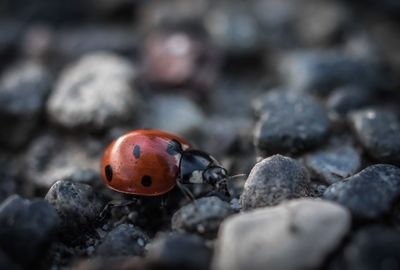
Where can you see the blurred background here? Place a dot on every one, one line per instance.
(76, 74)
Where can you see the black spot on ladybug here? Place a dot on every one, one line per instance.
(174, 147)
(109, 173)
(146, 181)
(136, 151)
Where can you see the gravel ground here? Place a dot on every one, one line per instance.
(300, 96)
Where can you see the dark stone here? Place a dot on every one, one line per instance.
(202, 217)
(349, 98)
(274, 180)
(115, 263)
(77, 205)
(321, 72)
(23, 91)
(369, 194)
(178, 251)
(332, 164)
(123, 240)
(26, 229)
(6, 263)
(373, 247)
(289, 123)
(378, 130)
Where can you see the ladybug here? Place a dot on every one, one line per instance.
(153, 162)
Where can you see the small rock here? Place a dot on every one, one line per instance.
(289, 123)
(94, 93)
(77, 205)
(370, 193)
(115, 263)
(179, 251)
(317, 190)
(298, 234)
(374, 247)
(274, 180)
(321, 72)
(23, 91)
(203, 217)
(349, 98)
(52, 157)
(173, 113)
(123, 240)
(26, 229)
(378, 130)
(332, 164)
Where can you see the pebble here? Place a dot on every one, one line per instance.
(321, 72)
(23, 91)
(27, 227)
(289, 123)
(334, 163)
(378, 130)
(115, 263)
(368, 194)
(349, 98)
(202, 217)
(373, 247)
(77, 205)
(179, 251)
(174, 113)
(274, 180)
(94, 93)
(123, 240)
(298, 234)
(52, 157)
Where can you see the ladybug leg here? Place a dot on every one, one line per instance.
(188, 194)
(106, 212)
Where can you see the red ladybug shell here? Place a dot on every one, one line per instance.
(140, 163)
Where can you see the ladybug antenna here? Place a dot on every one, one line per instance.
(236, 176)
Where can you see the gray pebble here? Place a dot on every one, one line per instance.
(174, 113)
(94, 93)
(298, 234)
(179, 251)
(321, 72)
(77, 205)
(332, 164)
(26, 229)
(349, 98)
(373, 247)
(123, 240)
(370, 193)
(23, 91)
(51, 157)
(274, 180)
(289, 123)
(378, 130)
(203, 217)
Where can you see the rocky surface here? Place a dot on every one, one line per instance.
(274, 180)
(302, 233)
(370, 193)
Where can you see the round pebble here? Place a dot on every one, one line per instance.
(274, 180)
(368, 194)
(378, 130)
(289, 123)
(94, 93)
(77, 205)
(202, 217)
(27, 228)
(123, 240)
(298, 234)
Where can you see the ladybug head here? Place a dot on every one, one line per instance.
(214, 174)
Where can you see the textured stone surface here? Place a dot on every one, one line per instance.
(203, 217)
(289, 122)
(378, 130)
(298, 234)
(26, 229)
(370, 193)
(94, 93)
(274, 180)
